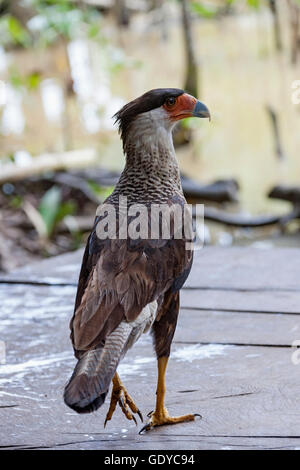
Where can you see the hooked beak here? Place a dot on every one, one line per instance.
(187, 106)
(200, 110)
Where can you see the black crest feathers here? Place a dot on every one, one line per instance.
(148, 101)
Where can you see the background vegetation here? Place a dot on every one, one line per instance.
(66, 67)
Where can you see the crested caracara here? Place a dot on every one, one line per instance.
(130, 284)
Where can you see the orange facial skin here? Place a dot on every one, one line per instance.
(183, 107)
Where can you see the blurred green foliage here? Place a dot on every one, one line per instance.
(53, 19)
(16, 202)
(13, 33)
(204, 10)
(100, 192)
(30, 82)
(65, 18)
(53, 210)
(210, 10)
(253, 3)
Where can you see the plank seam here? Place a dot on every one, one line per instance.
(236, 344)
(234, 310)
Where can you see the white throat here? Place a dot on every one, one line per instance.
(151, 172)
(150, 132)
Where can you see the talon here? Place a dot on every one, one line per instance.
(149, 414)
(121, 396)
(140, 415)
(197, 414)
(147, 427)
(122, 404)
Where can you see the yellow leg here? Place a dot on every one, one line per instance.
(161, 416)
(120, 395)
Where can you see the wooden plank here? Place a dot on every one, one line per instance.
(244, 301)
(199, 443)
(213, 326)
(62, 269)
(214, 268)
(44, 305)
(246, 268)
(239, 392)
(251, 393)
(83, 441)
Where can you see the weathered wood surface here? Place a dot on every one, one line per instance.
(232, 365)
(235, 268)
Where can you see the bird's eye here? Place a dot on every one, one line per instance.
(170, 101)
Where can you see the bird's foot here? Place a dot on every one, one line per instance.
(121, 396)
(160, 418)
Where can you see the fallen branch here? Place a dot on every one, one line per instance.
(219, 191)
(84, 223)
(286, 193)
(48, 162)
(239, 220)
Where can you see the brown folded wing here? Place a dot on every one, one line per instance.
(118, 279)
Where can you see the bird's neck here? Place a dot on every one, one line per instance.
(151, 172)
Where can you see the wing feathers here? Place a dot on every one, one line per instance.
(118, 279)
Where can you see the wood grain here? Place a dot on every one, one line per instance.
(230, 361)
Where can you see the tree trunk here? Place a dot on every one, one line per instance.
(295, 30)
(183, 135)
(191, 79)
(276, 24)
(122, 13)
(276, 132)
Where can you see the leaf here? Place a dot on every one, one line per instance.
(53, 210)
(49, 208)
(16, 202)
(253, 3)
(30, 82)
(36, 219)
(202, 10)
(15, 78)
(65, 209)
(101, 192)
(190, 123)
(93, 31)
(18, 34)
(33, 80)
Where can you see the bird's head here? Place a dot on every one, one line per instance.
(158, 109)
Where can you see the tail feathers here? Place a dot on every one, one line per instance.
(89, 384)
